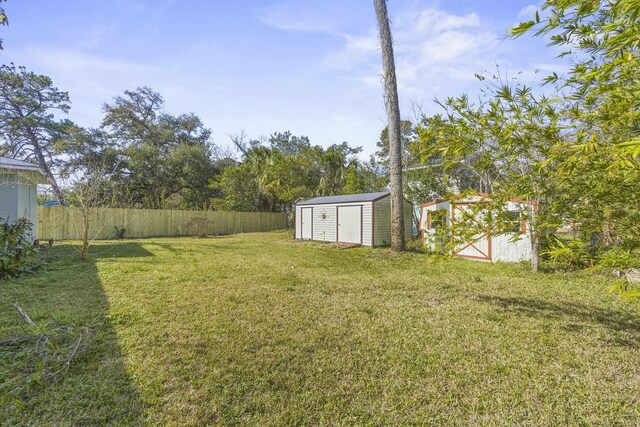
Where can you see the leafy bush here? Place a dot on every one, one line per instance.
(628, 291)
(618, 258)
(198, 226)
(563, 256)
(417, 245)
(16, 249)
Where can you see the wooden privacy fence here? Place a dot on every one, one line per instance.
(61, 223)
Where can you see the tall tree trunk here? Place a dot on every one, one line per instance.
(535, 237)
(393, 113)
(44, 166)
(535, 251)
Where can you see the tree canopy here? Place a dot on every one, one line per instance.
(28, 126)
(287, 168)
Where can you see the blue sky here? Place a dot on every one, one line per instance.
(308, 66)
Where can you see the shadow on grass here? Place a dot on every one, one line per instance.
(192, 243)
(117, 249)
(97, 389)
(570, 312)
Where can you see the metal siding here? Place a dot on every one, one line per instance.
(511, 251)
(383, 222)
(350, 224)
(306, 223)
(324, 229)
(298, 223)
(408, 220)
(33, 202)
(367, 217)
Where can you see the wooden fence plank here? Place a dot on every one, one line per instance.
(60, 223)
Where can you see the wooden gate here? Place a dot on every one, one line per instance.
(479, 247)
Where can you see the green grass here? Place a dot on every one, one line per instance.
(258, 329)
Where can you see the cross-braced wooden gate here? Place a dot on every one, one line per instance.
(479, 247)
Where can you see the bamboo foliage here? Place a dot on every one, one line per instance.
(60, 223)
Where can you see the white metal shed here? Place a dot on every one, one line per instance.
(355, 218)
(510, 247)
(18, 190)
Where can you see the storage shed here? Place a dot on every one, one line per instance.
(355, 218)
(437, 227)
(19, 189)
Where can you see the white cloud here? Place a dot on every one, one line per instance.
(431, 45)
(92, 79)
(431, 20)
(71, 60)
(297, 18)
(356, 51)
(453, 45)
(528, 13)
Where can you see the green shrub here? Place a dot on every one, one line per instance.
(16, 250)
(618, 258)
(628, 291)
(417, 245)
(563, 256)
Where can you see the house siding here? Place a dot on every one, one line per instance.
(18, 199)
(9, 196)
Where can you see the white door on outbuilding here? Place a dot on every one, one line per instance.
(350, 224)
(306, 223)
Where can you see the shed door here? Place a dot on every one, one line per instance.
(307, 223)
(350, 224)
(479, 246)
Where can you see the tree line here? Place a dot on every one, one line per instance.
(141, 156)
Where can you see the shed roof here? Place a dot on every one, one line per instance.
(28, 170)
(8, 163)
(347, 198)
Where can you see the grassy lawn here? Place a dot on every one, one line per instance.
(259, 329)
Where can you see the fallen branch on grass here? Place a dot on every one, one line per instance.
(24, 315)
(15, 340)
(46, 352)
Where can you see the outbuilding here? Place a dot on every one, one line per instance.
(438, 229)
(19, 190)
(363, 219)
